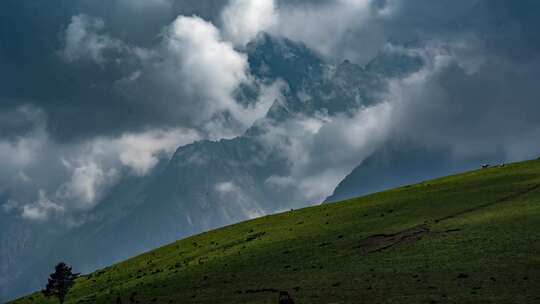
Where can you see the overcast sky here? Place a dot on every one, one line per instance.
(93, 91)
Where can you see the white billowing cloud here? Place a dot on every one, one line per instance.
(237, 205)
(323, 150)
(193, 64)
(41, 208)
(202, 57)
(73, 178)
(141, 152)
(190, 77)
(432, 111)
(20, 152)
(245, 115)
(329, 27)
(86, 185)
(194, 74)
(208, 69)
(84, 39)
(342, 144)
(225, 187)
(322, 27)
(96, 165)
(243, 20)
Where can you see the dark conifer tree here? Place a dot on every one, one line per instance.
(60, 282)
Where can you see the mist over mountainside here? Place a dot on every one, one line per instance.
(399, 165)
(209, 184)
(128, 124)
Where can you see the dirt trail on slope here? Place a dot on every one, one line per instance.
(380, 242)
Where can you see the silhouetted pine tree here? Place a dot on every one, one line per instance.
(60, 282)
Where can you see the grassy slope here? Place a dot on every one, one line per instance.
(313, 253)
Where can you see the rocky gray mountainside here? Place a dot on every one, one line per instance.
(211, 184)
(402, 163)
(396, 165)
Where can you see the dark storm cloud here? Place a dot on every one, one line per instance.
(90, 96)
(473, 100)
(483, 101)
(84, 95)
(478, 104)
(80, 98)
(490, 111)
(360, 28)
(97, 69)
(94, 90)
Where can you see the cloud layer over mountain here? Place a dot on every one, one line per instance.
(93, 94)
(119, 84)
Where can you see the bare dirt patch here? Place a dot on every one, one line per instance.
(381, 242)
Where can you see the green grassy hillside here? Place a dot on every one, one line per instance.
(468, 238)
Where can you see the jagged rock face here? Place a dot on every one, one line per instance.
(210, 184)
(313, 86)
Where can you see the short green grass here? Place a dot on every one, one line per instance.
(483, 247)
